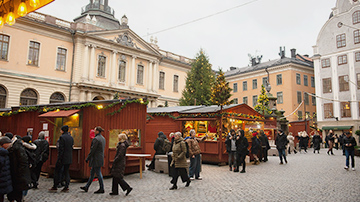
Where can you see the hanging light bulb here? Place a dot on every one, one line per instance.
(22, 10)
(34, 3)
(10, 18)
(1, 22)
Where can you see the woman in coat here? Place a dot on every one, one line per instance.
(118, 167)
(316, 142)
(255, 147)
(291, 145)
(331, 138)
(5, 177)
(242, 150)
(179, 161)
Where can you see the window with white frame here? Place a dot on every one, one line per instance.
(34, 51)
(245, 100)
(176, 83)
(61, 59)
(356, 17)
(255, 99)
(325, 63)
(3, 95)
(162, 81)
(356, 36)
(298, 79)
(280, 98)
(313, 82)
(235, 87)
(4, 46)
(101, 66)
(341, 40)
(122, 71)
(235, 101)
(279, 79)
(140, 75)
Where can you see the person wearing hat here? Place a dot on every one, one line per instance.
(64, 158)
(281, 142)
(42, 155)
(158, 147)
(5, 176)
(96, 160)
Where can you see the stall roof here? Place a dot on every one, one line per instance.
(336, 127)
(207, 109)
(59, 114)
(171, 109)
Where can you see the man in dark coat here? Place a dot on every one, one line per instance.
(65, 148)
(316, 142)
(5, 176)
(242, 145)
(331, 138)
(281, 142)
(42, 155)
(349, 143)
(158, 147)
(230, 143)
(255, 148)
(96, 160)
(20, 172)
(265, 146)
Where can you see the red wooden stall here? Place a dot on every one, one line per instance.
(115, 116)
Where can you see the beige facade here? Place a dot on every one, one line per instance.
(82, 61)
(283, 80)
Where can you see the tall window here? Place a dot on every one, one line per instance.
(254, 82)
(34, 51)
(298, 79)
(345, 109)
(255, 98)
(57, 98)
(2, 97)
(356, 17)
(245, 100)
(306, 98)
(312, 82)
(264, 81)
(279, 97)
(357, 56)
(4, 46)
(342, 59)
(356, 36)
(327, 85)
(61, 59)
(140, 75)
(299, 98)
(176, 83)
(313, 100)
(279, 79)
(28, 97)
(235, 100)
(358, 80)
(325, 63)
(341, 40)
(328, 110)
(101, 66)
(244, 85)
(162, 81)
(344, 83)
(306, 80)
(300, 115)
(235, 87)
(122, 71)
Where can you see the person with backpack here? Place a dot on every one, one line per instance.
(179, 161)
(194, 154)
(42, 155)
(159, 148)
(230, 144)
(242, 145)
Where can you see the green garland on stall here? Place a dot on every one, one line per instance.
(208, 115)
(126, 103)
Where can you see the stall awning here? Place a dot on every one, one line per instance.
(336, 127)
(59, 114)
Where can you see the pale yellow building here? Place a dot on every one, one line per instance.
(44, 59)
(290, 78)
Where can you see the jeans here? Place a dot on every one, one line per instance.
(195, 166)
(117, 180)
(58, 174)
(97, 171)
(282, 154)
(349, 153)
(232, 155)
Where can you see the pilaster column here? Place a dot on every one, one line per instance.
(85, 69)
(149, 78)
(82, 96)
(335, 85)
(156, 77)
(353, 86)
(92, 63)
(133, 72)
(113, 70)
(88, 96)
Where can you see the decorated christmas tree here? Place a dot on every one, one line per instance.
(221, 92)
(199, 82)
(263, 103)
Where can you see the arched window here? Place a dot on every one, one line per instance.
(57, 98)
(28, 97)
(2, 97)
(122, 70)
(99, 98)
(356, 17)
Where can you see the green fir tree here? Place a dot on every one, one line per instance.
(263, 103)
(221, 92)
(199, 82)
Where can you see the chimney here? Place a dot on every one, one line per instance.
(282, 52)
(253, 61)
(293, 53)
(232, 68)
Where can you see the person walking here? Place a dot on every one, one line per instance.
(331, 138)
(316, 142)
(158, 147)
(230, 143)
(265, 146)
(349, 143)
(19, 169)
(30, 152)
(194, 153)
(281, 142)
(42, 155)
(291, 145)
(255, 147)
(5, 176)
(64, 158)
(336, 142)
(242, 145)
(118, 167)
(171, 168)
(341, 140)
(96, 160)
(179, 161)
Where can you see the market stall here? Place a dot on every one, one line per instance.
(115, 116)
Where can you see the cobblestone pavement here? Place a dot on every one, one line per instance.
(307, 177)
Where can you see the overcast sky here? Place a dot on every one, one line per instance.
(258, 28)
